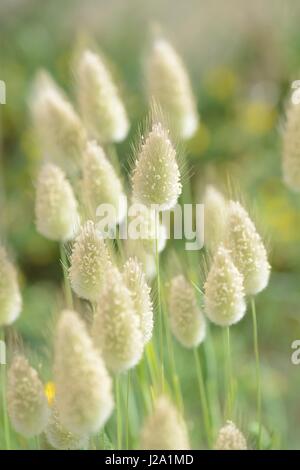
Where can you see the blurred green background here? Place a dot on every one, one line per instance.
(242, 57)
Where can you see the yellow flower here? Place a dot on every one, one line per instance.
(258, 117)
(50, 392)
(221, 83)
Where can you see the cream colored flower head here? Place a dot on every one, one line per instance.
(56, 211)
(59, 129)
(169, 86)
(59, 437)
(291, 148)
(164, 429)
(84, 396)
(90, 261)
(117, 326)
(156, 176)
(102, 109)
(224, 299)
(215, 211)
(186, 319)
(102, 186)
(135, 281)
(10, 295)
(230, 438)
(27, 404)
(247, 249)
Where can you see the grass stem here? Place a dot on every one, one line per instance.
(257, 365)
(203, 398)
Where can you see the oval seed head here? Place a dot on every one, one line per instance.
(143, 222)
(59, 437)
(90, 261)
(224, 298)
(164, 429)
(56, 211)
(230, 438)
(59, 129)
(291, 148)
(84, 389)
(156, 177)
(186, 320)
(169, 85)
(101, 185)
(117, 329)
(247, 249)
(101, 107)
(215, 208)
(10, 296)
(146, 259)
(135, 281)
(27, 404)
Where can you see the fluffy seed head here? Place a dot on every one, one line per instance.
(144, 227)
(247, 249)
(186, 320)
(117, 330)
(135, 281)
(59, 437)
(170, 87)
(10, 296)
(59, 129)
(101, 107)
(56, 211)
(230, 438)
(291, 148)
(146, 259)
(156, 176)
(90, 261)
(27, 404)
(224, 292)
(215, 208)
(84, 389)
(100, 183)
(164, 429)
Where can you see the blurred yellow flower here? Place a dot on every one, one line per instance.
(257, 117)
(221, 82)
(50, 392)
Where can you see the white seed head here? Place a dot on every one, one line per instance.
(230, 438)
(84, 389)
(164, 429)
(10, 296)
(144, 228)
(215, 208)
(147, 260)
(90, 261)
(170, 87)
(117, 330)
(27, 404)
(59, 437)
(186, 320)
(135, 281)
(156, 176)
(60, 132)
(101, 185)
(101, 107)
(224, 292)
(247, 249)
(56, 211)
(291, 148)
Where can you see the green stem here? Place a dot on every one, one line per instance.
(203, 398)
(119, 413)
(67, 287)
(4, 404)
(257, 364)
(127, 409)
(229, 373)
(160, 319)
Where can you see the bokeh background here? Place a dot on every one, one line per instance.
(242, 57)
